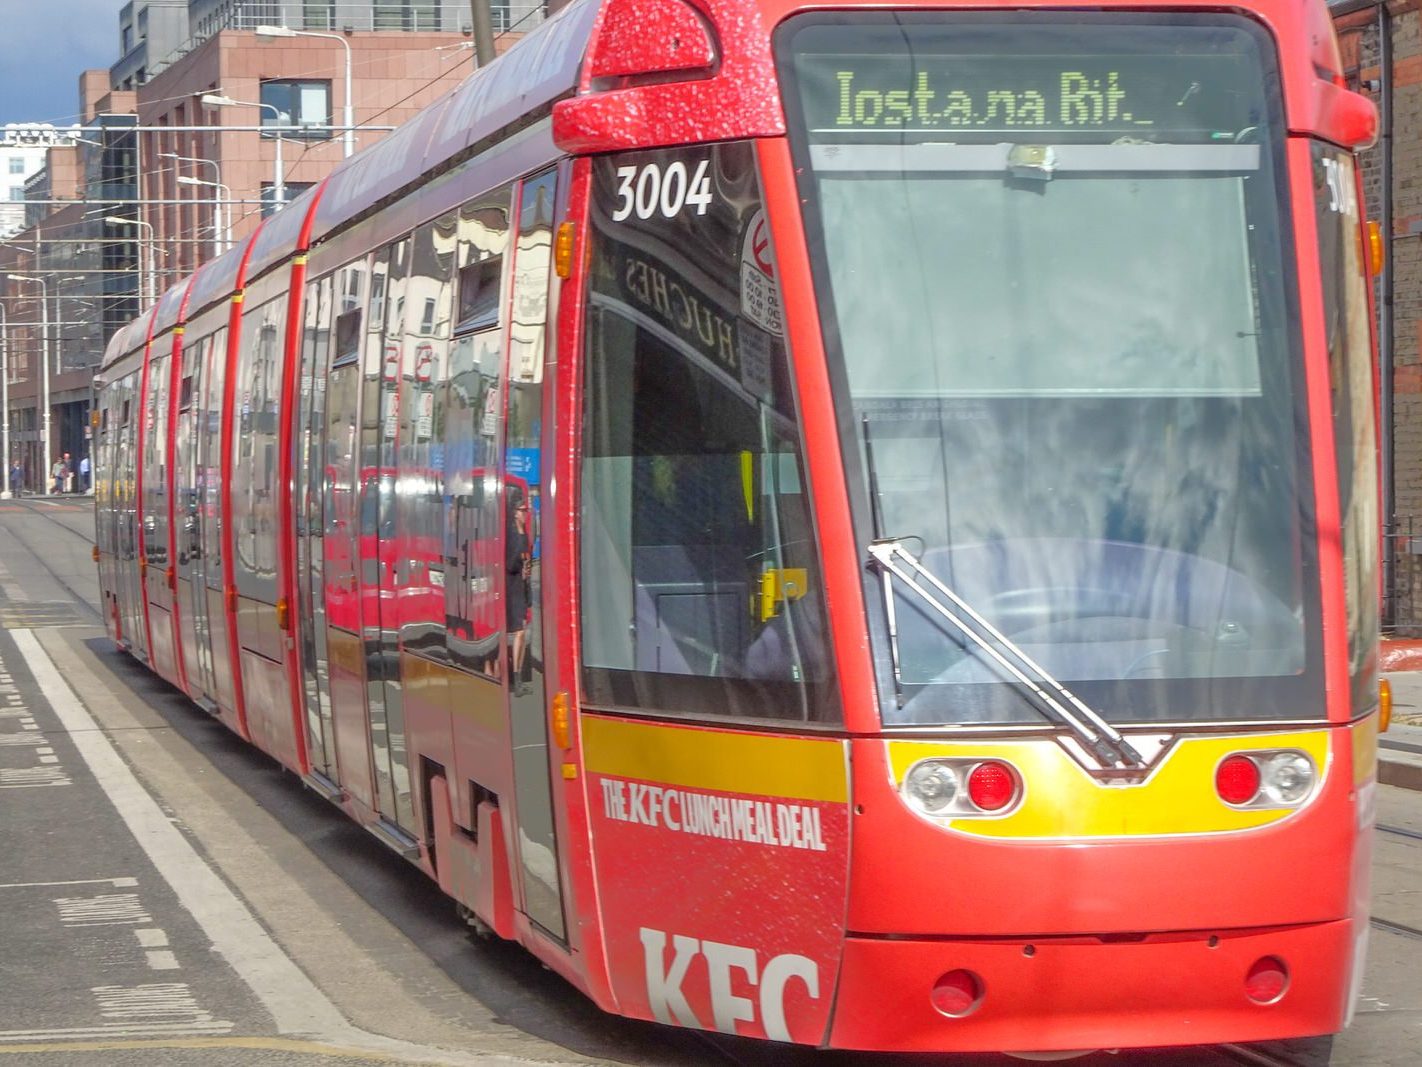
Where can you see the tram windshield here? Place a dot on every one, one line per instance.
(1051, 258)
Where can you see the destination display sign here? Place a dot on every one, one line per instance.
(1203, 97)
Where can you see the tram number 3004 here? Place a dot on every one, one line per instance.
(651, 188)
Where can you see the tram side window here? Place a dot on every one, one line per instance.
(155, 463)
(701, 588)
(1346, 314)
(473, 440)
(188, 477)
(211, 447)
(254, 470)
(340, 453)
(347, 336)
(419, 498)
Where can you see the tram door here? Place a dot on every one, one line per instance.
(213, 610)
(187, 485)
(125, 518)
(528, 376)
(128, 515)
(310, 553)
(155, 509)
(339, 549)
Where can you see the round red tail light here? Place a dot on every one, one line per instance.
(992, 786)
(957, 993)
(1266, 980)
(1237, 780)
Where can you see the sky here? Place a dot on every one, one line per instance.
(44, 45)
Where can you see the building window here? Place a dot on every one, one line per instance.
(318, 14)
(306, 105)
(293, 190)
(17, 192)
(407, 15)
(17, 165)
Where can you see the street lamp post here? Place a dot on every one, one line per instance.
(220, 231)
(286, 31)
(44, 378)
(279, 181)
(220, 238)
(150, 288)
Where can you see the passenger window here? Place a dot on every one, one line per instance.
(473, 445)
(479, 293)
(254, 474)
(701, 590)
(347, 336)
(211, 446)
(419, 500)
(155, 461)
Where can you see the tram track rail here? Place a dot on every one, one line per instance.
(42, 558)
(1258, 1056)
(1398, 831)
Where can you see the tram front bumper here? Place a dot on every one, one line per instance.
(1049, 994)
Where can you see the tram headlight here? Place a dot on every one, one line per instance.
(930, 786)
(1288, 777)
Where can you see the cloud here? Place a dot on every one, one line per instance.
(44, 47)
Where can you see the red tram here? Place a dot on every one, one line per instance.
(851, 525)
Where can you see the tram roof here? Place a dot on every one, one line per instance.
(170, 306)
(222, 276)
(533, 74)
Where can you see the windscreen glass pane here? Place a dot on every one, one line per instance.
(1350, 372)
(1053, 274)
(701, 593)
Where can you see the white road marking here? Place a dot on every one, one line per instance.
(162, 960)
(152, 937)
(115, 909)
(91, 1033)
(166, 1001)
(295, 1003)
(32, 777)
(12, 589)
(117, 883)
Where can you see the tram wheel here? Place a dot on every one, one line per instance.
(477, 926)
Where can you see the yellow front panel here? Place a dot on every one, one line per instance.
(1061, 800)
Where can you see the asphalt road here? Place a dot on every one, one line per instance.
(171, 896)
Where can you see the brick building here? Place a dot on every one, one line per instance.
(160, 180)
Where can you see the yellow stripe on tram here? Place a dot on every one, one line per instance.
(793, 768)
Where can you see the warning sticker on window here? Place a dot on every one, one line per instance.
(760, 300)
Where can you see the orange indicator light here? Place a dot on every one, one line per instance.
(562, 730)
(563, 251)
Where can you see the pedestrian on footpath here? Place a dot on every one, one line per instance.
(17, 478)
(83, 474)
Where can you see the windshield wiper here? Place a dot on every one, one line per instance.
(1052, 700)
